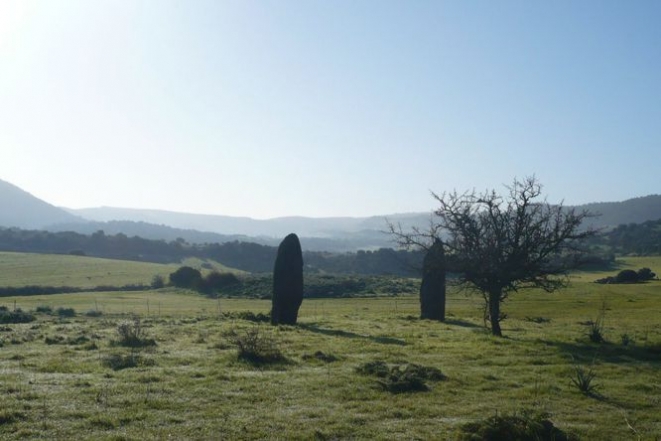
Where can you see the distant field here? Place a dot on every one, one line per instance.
(21, 269)
(621, 263)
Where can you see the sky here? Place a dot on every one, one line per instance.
(327, 108)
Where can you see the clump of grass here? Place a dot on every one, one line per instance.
(257, 347)
(538, 320)
(321, 356)
(377, 368)
(408, 377)
(132, 335)
(523, 426)
(596, 327)
(93, 313)
(249, 316)
(65, 312)
(9, 416)
(56, 340)
(15, 316)
(626, 340)
(118, 362)
(582, 379)
(596, 331)
(44, 309)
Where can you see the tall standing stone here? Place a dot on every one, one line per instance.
(287, 282)
(432, 289)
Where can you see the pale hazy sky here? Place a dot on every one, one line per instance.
(327, 108)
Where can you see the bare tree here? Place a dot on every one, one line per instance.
(499, 245)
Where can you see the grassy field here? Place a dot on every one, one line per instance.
(61, 377)
(21, 269)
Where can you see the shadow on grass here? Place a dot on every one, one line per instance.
(462, 323)
(313, 327)
(608, 352)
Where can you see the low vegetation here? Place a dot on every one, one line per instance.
(171, 363)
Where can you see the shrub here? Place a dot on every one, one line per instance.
(216, 281)
(626, 276)
(65, 312)
(44, 309)
(15, 316)
(257, 347)
(94, 313)
(645, 274)
(513, 427)
(131, 334)
(186, 277)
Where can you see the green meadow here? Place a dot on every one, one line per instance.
(22, 269)
(70, 377)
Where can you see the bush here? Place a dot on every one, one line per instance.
(186, 277)
(216, 281)
(645, 274)
(44, 309)
(131, 334)
(94, 313)
(65, 312)
(16, 316)
(257, 347)
(626, 276)
(513, 427)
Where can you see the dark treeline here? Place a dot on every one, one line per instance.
(246, 256)
(640, 239)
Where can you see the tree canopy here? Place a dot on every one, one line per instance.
(497, 244)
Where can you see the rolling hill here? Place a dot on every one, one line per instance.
(337, 234)
(22, 210)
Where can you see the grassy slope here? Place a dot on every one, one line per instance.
(197, 390)
(21, 269)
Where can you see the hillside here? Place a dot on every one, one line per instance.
(21, 209)
(328, 227)
(334, 234)
(631, 211)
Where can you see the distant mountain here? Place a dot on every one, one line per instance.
(631, 211)
(336, 234)
(329, 227)
(20, 209)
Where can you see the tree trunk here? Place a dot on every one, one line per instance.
(494, 313)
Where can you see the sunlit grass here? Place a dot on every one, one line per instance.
(67, 378)
(193, 385)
